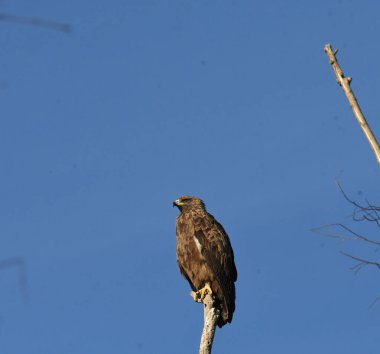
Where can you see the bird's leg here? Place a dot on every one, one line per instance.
(201, 293)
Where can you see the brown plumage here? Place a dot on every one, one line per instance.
(205, 255)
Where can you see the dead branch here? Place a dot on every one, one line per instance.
(361, 212)
(37, 22)
(211, 315)
(354, 235)
(344, 82)
(369, 212)
(362, 262)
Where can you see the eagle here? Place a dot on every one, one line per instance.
(205, 256)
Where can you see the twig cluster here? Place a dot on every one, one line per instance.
(362, 212)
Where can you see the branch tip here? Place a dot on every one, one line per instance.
(345, 84)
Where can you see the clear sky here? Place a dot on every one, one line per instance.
(146, 100)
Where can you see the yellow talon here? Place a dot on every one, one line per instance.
(201, 293)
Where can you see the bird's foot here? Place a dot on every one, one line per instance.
(201, 294)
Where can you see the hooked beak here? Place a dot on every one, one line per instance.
(177, 203)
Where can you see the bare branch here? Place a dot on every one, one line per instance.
(366, 212)
(344, 82)
(37, 22)
(355, 236)
(362, 262)
(211, 315)
(345, 195)
(361, 212)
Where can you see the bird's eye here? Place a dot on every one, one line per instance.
(184, 200)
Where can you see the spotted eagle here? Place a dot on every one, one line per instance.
(204, 254)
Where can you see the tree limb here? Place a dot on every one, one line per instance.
(344, 82)
(362, 262)
(355, 235)
(211, 316)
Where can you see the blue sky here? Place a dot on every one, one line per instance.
(144, 101)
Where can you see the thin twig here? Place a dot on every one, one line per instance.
(37, 22)
(344, 82)
(370, 212)
(211, 315)
(373, 303)
(362, 262)
(356, 236)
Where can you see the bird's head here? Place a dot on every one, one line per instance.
(186, 203)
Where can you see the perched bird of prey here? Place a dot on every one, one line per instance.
(205, 256)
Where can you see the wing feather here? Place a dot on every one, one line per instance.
(217, 251)
(216, 246)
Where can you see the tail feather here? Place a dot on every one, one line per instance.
(227, 304)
